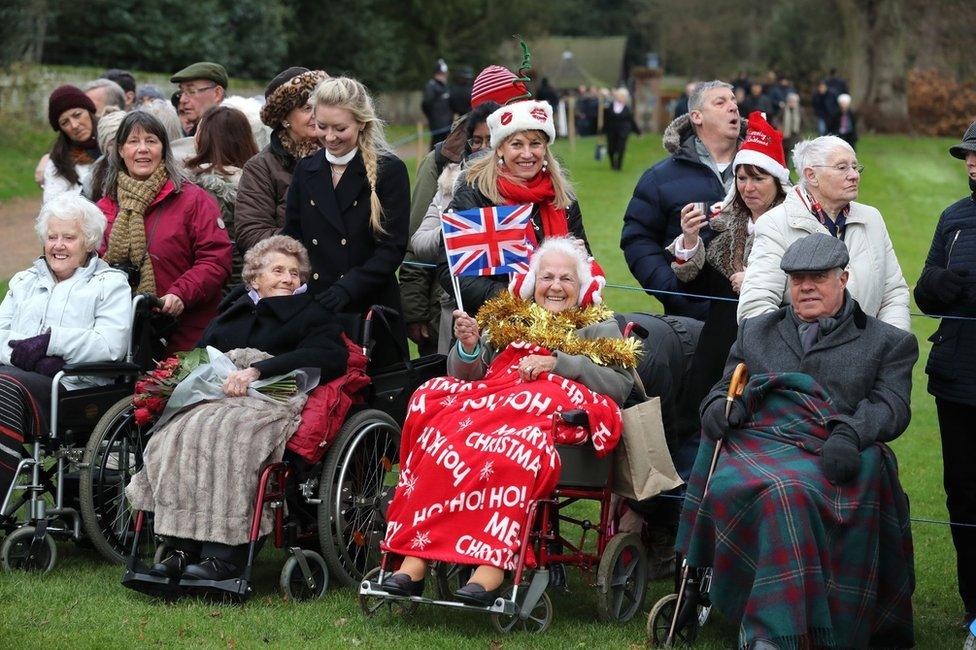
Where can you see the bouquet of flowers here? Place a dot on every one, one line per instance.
(154, 389)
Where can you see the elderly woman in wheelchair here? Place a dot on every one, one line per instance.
(69, 307)
(202, 465)
(479, 446)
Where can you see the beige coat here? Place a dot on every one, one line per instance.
(876, 280)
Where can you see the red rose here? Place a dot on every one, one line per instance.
(143, 386)
(161, 374)
(139, 399)
(143, 416)
(156, 404)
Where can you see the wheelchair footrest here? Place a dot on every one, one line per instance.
(146, 583)
(375, 590)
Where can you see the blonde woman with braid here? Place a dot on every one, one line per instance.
(164, 231)
(349, 204)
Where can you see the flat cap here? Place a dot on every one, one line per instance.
(202, 70)
(816, 252)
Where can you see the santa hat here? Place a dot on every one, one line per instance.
(497, 84)
(592, 279)
(529, 115)
(763, 148)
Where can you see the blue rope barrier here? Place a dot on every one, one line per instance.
(699, 296)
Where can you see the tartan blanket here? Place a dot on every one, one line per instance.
(475, 454)
(797, 560)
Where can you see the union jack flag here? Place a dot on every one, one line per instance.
(487, 241)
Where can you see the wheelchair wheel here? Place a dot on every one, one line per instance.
(356, 487)
(292, 580)
(113, 455)
(370, 605)
(688, 624)
(622, 578)
(13, 553)
(538, 620)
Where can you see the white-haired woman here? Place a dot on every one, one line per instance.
(68, 307)
(225, 442)
(520, 169)
(824, 201)
(618, 124)
(844, 122)
(474, 433)
(349, 203)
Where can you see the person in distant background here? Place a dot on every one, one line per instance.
(126, 81)
(104, 93)
(618, 124)
(436, 104)
(845, 121)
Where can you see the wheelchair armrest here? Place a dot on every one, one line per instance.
(575, 417)
(102, 368)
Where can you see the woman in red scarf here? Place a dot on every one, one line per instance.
(518, 169)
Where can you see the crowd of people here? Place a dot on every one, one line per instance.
(257, 231)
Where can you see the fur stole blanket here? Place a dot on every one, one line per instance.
(730, 248)
(201, 467)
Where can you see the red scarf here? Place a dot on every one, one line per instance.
(540, 192)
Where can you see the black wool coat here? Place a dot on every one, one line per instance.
(333, 223)
(952, 362)
(296, 330)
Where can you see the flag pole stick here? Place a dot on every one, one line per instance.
(455, 283)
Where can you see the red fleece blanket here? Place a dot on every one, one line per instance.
(475, 454)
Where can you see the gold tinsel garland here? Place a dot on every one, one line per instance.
(506, 318)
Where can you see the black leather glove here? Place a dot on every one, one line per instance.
(841, 455)
(25, 353)
(714, 423)
(944, 285)
(335, 298)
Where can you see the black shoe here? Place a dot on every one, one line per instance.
(400, 584)
(171, 567)
(212, 568)
(474, 594)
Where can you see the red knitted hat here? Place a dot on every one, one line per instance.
(63, 98)
(763, 147)
(591, 283)
(496, 84)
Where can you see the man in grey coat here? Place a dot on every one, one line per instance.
(864, 364)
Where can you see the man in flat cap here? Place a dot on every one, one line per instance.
(201, 85)
(804, 520)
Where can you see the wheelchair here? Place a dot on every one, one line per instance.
(329, 516)
(617, 567)
(54, 491)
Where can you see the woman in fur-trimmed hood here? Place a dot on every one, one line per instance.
(260, 207)
(718, 268)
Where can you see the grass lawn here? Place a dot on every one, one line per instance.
(82, 604)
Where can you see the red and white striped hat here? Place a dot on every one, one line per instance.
(496, 84)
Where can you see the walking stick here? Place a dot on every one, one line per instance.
(736, 387)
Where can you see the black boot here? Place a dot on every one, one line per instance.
(474, 594)
(212, 568)
(400, 584)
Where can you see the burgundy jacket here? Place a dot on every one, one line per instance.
(191, 254)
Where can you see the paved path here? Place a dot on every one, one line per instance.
(18, 243)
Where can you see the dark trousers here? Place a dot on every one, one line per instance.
(616, 145)
(958, 455)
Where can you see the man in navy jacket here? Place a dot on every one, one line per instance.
(702, 145)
